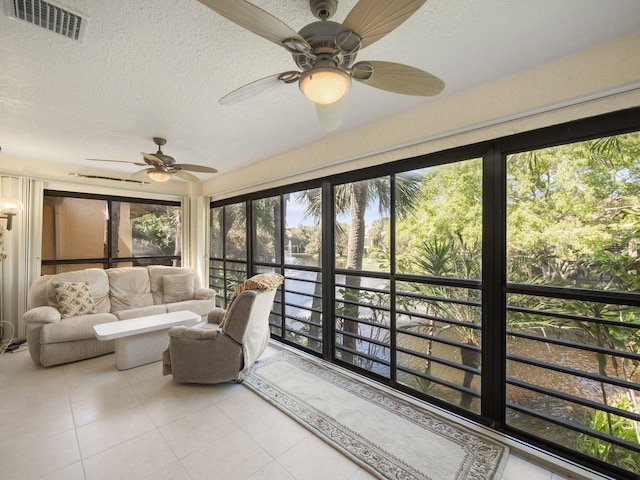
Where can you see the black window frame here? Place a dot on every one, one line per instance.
(110, 260)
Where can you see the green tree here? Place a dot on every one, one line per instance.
(355, 197)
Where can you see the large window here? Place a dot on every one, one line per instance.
(285, 236)
(573, 344)
(81, 231)
(228, 262)
(498, 280)
(408, 304)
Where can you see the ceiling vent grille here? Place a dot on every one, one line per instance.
(50, 16)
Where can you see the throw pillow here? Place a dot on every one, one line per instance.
(74, 298)
(177, 288)
(263, 282)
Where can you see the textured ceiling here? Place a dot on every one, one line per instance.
(158, 67)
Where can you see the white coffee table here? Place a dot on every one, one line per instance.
(142, 340)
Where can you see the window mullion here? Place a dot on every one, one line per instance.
(494, 230)
(327, 250)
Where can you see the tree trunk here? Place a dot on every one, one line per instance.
(470, 358)
(355, 255)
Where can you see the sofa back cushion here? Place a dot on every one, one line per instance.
(74, 298)
(177, 288)
(43, 293)
(156, 274)
(129, 288)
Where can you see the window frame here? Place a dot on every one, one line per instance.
(110, 260)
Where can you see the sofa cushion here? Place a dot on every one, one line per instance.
(98, 285)
(177, 288)
(156, 279)
(74, 298)
(74, 328)
(129, 288)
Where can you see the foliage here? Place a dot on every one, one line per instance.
(155, 233)
(617, 426)
(573, 210)
(448, 204)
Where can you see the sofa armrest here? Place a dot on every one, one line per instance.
(216, 315)
(204, 294)
(43, 314)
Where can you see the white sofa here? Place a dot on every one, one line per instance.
(56, 335)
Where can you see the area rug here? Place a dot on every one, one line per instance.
(388, 436)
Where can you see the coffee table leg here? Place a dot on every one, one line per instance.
(141, 349)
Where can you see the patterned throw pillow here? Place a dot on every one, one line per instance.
(263, 282)
(74, 298)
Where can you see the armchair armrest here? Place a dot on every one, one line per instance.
(204, 294)
(193, 332)
(216, 315)
(43, 314)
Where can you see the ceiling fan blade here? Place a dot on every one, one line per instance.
(115, 161)
(257, 87)
(373, 19)
(397, 78)
(151, 159)
(186, 176)
(255, 20)
(141, 173)
(194, 168)
(330, 115)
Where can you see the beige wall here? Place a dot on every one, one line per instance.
(600, 80)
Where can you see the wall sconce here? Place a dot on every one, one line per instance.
(10, 207)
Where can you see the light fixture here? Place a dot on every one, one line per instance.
(158, 175)
(10, 207)
(324, 83)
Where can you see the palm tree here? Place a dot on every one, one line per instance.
(354, 198)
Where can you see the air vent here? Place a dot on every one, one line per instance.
(50, 16)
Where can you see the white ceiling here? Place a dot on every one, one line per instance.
(158, 67)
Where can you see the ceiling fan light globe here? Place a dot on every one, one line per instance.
(158, 175)
(324, 85)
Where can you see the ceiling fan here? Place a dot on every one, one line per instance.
(325, 52)
(162, 166)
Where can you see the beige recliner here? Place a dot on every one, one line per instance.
(228, 344)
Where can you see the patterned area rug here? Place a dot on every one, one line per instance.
(386, 435)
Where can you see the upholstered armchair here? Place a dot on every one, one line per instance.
(228, 344)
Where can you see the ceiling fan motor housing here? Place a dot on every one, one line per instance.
(321, 36)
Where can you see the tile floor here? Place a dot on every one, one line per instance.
(87, 420)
